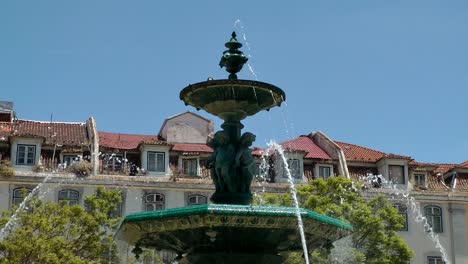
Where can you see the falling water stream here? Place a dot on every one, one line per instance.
(23, 206)
(276, 147)
(411, 203)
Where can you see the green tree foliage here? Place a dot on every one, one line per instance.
(53, 233)
(375, 221)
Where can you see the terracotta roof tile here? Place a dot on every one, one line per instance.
(422, 164)
(462, 183)
(304, 143)
(71, 134)
(155, 142)
(434, 184)
(443, 168)
(125, 141)
(361, 154)
(191, 148)
(397, 156)
(257, 151)
(464, 164)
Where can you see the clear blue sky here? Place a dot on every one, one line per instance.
(389, 75)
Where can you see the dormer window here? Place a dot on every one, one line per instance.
(156, 161)
(324, 172)
(26, 155)
(396, 174)
(420, 179)
(294, 166)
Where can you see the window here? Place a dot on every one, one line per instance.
(257, 169)
(396, 174)
(420, 179)
(324, 172)
(434, 260)
(69, 197)
(154, 201)
(189, 166)
(403, 211)
(434, 218)
(294, 168)
(19, 194)
(196, 199)
(156, 161)
(26, 155)
(70, 159)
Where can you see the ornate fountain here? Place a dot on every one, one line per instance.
(230, 230)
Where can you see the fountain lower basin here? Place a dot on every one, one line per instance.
(218, 233)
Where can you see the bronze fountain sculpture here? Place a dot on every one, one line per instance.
(230, 230)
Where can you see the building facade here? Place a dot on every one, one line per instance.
(168, 170)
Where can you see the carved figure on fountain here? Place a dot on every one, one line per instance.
(232, 167)
(245, 163)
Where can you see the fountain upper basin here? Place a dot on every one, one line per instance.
(232, 99)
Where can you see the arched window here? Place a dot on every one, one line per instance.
(154, 201)
(69, 197)
(196, 199)
(434, 260)
(434, 217)
(19, 194)
(403, 211)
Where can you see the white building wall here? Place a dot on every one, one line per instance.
(174, 199)
(419, 241)
(186, 128)
(460, 246)
(133, 201)
(4, 196)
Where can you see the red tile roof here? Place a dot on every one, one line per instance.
(443, 168)
(126, 141)
(464, 164)
(191, 148)
(68, 134)
(462, 183)
(361, 154)
(435, 184)
(397, 156)
(257, 151)
(304, 143)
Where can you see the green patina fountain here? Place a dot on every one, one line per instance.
(230, 230)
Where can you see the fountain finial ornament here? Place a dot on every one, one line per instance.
(233, 59)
